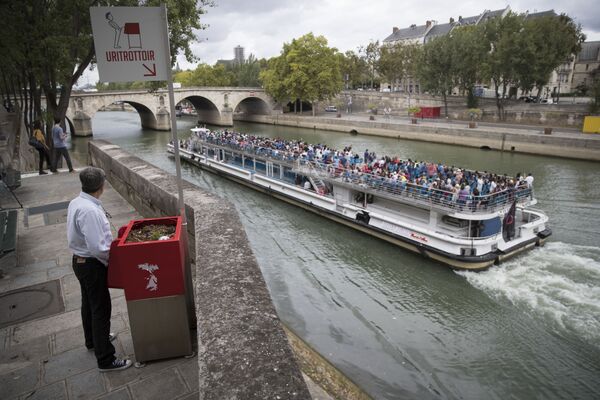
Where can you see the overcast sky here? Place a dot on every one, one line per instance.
(262, 26)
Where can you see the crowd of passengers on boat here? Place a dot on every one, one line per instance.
(437, 182)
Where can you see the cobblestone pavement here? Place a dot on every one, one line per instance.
(45, 358)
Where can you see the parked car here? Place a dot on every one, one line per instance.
(331, 109)
(528, 99)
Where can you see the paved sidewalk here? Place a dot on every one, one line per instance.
(45, 357)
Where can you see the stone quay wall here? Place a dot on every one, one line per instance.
(584, 147)
(564, 114)
(243, 351)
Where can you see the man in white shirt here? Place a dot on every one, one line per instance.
(529, 180)
(89, 237)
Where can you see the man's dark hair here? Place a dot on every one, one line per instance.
(92, 179)
(56, 120)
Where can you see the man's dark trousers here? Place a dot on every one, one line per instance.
(62, 152)
(95, 308)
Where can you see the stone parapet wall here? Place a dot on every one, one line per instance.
(243, 352)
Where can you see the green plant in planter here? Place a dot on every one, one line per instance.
(474, 113)
(414, 110)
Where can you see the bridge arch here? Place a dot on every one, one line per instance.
(151, 109)
(206, 109)
(214, 105)
(251, 105)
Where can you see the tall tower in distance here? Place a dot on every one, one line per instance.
(238, 52)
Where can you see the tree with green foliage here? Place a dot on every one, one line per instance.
(507, 55)
(397, 62)
(370, 53)
(551, 41)
(307, 69)
(206, 75)
(355, 68)
(435, 68)
(468, 53)
(246, 74)
(595, 91)
(48, 45)
(524, 52)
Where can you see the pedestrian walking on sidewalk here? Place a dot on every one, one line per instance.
(41, 147)
(59, 138)
(89, 237)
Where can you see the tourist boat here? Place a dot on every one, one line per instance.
(469, 235)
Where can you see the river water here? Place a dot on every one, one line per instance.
(399, 325)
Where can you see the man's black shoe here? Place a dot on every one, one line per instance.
(117, 365)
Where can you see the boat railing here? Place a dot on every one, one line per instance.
(371, 183)
(420, 193)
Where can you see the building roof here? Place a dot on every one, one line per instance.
(439, 30)
(590, 51)
(547, 13)
(412, 32)
(468, 20)
(487, 14)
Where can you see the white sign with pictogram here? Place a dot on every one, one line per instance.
(130, 43)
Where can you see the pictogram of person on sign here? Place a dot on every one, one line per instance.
(116, 27)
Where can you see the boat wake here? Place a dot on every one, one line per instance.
(559, 283)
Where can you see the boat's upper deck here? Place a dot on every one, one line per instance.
(423, 194)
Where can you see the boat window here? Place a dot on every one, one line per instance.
(260, 167)
(489, 227)
(456, 222)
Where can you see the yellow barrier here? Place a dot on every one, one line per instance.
(591, 125)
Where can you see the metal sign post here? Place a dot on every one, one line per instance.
(181, 203)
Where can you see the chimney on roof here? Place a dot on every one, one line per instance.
(394, 29)
(427, 24)
(451, 20)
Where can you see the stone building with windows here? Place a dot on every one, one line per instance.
(421, 34)
(574, 72)
(586, 63)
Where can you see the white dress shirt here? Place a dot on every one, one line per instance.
(88, 230)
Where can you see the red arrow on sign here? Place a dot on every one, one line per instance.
(151, 72)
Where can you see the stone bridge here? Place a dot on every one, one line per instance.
(214, 105)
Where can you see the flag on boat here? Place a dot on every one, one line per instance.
(508, 224)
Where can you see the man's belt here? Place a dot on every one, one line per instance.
(83, 260)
